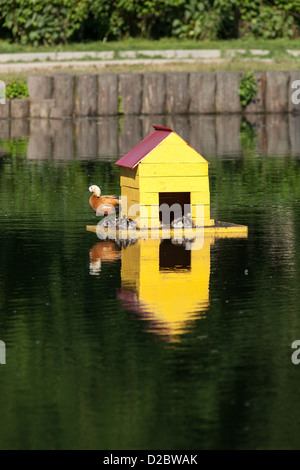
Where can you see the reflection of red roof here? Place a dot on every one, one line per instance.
(135, 155)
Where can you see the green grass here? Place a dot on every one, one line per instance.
(280, 60)
(275, 45)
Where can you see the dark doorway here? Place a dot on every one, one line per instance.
(176, 202)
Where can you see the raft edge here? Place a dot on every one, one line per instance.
(219, 230)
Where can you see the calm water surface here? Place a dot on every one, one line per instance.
(148, 346)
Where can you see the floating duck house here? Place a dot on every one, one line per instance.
(164, 169)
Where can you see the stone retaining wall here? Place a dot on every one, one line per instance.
(108, 94)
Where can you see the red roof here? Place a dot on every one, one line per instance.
(135, 155)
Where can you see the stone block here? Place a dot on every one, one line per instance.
(227, 92)
(19, 108)
(86, 95)
(277, 91)
(40, 87)
(5, 110)
(107, 94)
(202, 91)
(59, 113)
(154, 93)
(63, 93)
(130, 92)
(41, 109)
(177, 93)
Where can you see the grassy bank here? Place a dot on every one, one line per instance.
(233, 64)
(276, 46)
(277, 59)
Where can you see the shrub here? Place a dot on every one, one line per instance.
(16, 90)
(248, 88)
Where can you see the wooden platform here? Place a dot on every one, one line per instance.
(219, 230)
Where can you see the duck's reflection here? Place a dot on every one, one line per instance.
(104, 251)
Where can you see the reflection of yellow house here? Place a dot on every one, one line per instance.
(169, 285)
(165, 283)
(164, 169)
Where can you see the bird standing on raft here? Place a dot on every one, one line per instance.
(103, 205)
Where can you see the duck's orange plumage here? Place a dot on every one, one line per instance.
(105, 251)
(103, 205)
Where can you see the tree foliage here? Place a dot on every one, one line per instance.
(42, 22)
(147, 18)
(39, 21)
(221, 19)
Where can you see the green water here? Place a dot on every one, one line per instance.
(83, 371)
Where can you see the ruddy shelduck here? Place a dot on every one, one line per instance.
(103, 205)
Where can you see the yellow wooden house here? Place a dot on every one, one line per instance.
(164, 169)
